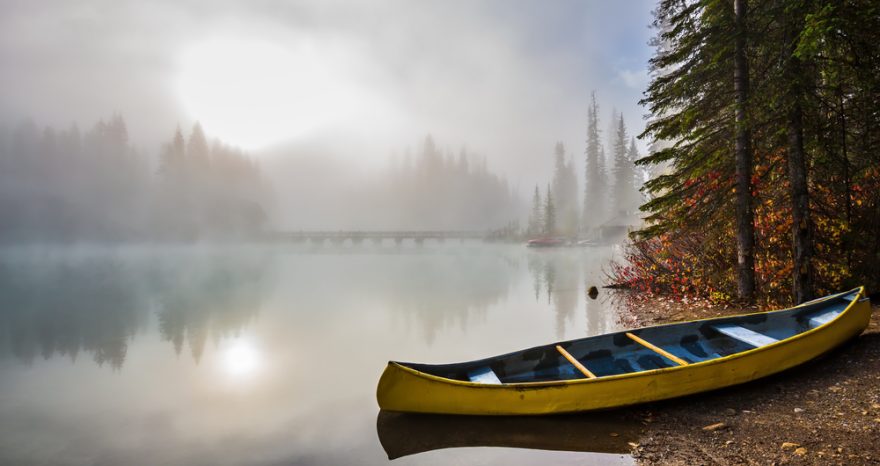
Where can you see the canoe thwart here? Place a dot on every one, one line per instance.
(484, 375)
(658, 350)
(745, 335)
(575, 362)
(823, 318)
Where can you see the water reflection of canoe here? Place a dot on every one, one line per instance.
(627, 368)
(407, 434)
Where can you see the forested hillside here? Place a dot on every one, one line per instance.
(770, 188)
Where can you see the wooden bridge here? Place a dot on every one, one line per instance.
(357, 237)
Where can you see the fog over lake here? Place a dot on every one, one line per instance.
(230, 355)
(220, 220)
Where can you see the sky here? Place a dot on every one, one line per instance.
(349, 80)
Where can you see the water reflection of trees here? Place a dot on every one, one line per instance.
(443, 291)
(208, 300)
(597, 314)
(63, 309)
(559, 278)
(97, 305)
(558, 275)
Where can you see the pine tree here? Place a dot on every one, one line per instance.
(632, 154)
(625, 189)
(595, 186)
(536, 220)
(745, 217)
(795, 97)
(698, 52)
(197, 176)
(173, 157)
(565, 193)
(549, 214)
(197, 148)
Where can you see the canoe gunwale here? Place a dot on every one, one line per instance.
(860, 292)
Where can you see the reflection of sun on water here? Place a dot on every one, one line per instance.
(240, 358)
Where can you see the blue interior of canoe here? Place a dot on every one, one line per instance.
(621, 353)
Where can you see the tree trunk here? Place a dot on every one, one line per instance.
(745, 225)
(801, 227)
(847, 245)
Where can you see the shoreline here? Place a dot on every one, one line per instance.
(825, 411)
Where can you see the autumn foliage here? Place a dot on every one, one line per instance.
(809, 116)
(696, 261)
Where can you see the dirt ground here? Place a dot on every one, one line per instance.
(824, 412)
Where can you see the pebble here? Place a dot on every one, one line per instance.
(798, 410)
(614, 434)
(789, 445)
(633, 445)
(800, 451)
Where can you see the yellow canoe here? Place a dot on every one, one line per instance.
(631, 367)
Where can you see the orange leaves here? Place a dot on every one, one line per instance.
(698, 259)
(673, 266)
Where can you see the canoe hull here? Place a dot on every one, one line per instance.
(407, 390)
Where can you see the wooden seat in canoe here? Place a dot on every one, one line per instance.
(484, 375)
(745, 335)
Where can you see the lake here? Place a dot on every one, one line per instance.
(270, 354)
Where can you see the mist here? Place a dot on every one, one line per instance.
(313, 115)
(220, 220)
(224, 225)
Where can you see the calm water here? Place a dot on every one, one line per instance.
(270, 355)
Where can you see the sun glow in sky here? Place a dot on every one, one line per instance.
(241, 359)
(354, 81)
(255, 93)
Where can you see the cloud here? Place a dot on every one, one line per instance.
(636, 79)
(507, 78)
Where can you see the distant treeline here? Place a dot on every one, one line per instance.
(770, 115)
(70, 185)
(611, 187)
(436, 189)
